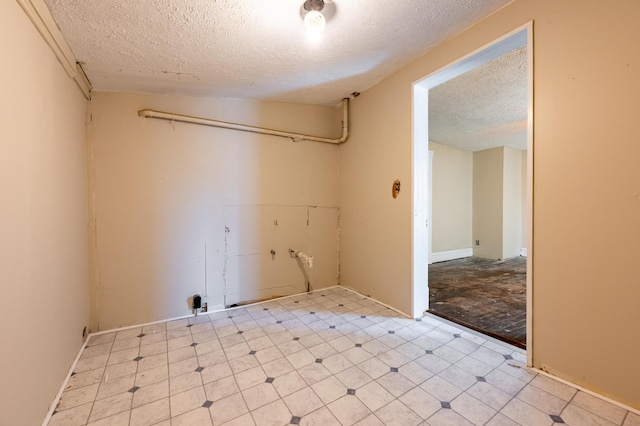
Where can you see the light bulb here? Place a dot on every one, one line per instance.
(315, 23)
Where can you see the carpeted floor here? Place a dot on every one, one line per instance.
(483, 294)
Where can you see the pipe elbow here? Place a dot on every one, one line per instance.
(305, 258)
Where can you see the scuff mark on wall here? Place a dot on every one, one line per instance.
(224, 268)
(206, 294)
(92, 223)
(338, 230)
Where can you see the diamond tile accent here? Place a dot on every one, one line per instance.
(190, 325)
(240, 387)
(296, 301)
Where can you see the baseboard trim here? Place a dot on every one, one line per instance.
(352, 290)
(55, 402)
(443, 256)
(523, 252)
(587, 391)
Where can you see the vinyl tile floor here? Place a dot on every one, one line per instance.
(331, 357)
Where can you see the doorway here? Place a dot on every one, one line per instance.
(422, 226)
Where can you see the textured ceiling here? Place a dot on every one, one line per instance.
(253, 49)
(483, 108)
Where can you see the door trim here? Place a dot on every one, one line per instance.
(420, 164)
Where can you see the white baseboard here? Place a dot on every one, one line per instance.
(443, 256)
(523, 252)
(590, 392)
(219, 308)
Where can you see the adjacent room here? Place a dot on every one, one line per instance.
(255, 164)
(478, 205)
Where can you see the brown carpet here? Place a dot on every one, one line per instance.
(483, 294)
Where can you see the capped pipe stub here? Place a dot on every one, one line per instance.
(197, 301)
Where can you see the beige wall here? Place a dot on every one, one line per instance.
(488, 192)
(165, 193)
(43, 227)
(586, 202)
(512, 203)
(452, 198)
(375, 229)
(483, 189)
(524, 206)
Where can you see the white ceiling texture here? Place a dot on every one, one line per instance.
(483, 108)
(250, 49)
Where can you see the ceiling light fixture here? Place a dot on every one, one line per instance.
(314, 20)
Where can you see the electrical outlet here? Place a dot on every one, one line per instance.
(477, 242)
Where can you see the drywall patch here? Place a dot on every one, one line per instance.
(258, 238)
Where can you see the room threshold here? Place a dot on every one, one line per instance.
(479, 330)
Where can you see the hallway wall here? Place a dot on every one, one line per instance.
(586, 91)
(488, 196)
(452, 198)
(44, 296)
(512, 203)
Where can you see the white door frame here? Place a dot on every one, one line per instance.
(420, 241)
(430, 208)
